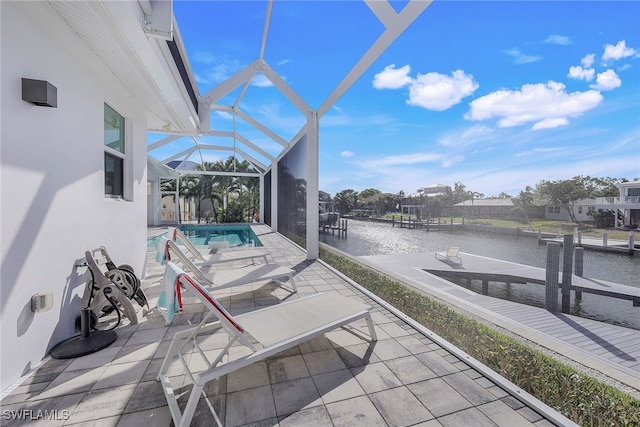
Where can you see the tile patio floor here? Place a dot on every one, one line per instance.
(339, 379)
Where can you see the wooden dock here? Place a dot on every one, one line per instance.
(605, 245)
(499, 271)
(429, 224)
(339, 227)
(610, 349)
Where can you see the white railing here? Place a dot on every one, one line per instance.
(627, 200)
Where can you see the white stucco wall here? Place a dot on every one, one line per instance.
(580, 209)
(53, 207)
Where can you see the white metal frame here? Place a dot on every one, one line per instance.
(394, 23)
(302, 331)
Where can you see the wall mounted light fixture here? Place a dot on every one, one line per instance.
(42, 302)
(40, 92)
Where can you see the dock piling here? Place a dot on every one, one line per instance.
(551, 281)
(567, 269)
(579, 268)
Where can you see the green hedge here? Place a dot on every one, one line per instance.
(577, 396)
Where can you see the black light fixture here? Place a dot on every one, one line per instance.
(39, 92)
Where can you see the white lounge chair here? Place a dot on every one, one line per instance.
(264, 332)
(220, 279)
(219, 253)
(450, 255)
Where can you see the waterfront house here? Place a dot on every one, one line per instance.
(410, 204)
(581, 208)
(626, 206)
(506, 208)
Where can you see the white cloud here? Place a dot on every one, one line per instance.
(439, 92)
(521, 58)
(450, 161)
(347, 154)
(224, 115)
(218, 68)
(588, 60)
(462, 138)
(402, 160)
(260, 80)
(577, 72)
(392, 78)
(558, 39)
(550, 123)
(607, 80)
(619, 51)
(540, 150)
(545, 105)
(432, 91)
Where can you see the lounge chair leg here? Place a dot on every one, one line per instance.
(293, 284)
(192, 403)
(372, 331)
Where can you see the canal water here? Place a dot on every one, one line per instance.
(374, 238)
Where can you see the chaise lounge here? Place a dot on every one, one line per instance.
(225, 278)
(450, 255)
(263, 332)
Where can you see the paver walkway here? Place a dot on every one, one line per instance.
(403, 379)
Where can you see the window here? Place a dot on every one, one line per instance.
(579, 209)
(550, 209)
(114, 153)
(556, 209)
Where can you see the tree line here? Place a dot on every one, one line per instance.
(563, 193)
(224, 198)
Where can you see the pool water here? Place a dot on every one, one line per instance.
(237, 235)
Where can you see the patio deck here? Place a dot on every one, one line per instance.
(405, 378)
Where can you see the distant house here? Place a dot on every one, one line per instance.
(486, 208)
(409, 205)
(626, 206)
(581, 209)
(325, 203)
(431, 190)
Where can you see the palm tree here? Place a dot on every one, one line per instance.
(189, 190)
(249, 189)
(224, 185)
(204, 189)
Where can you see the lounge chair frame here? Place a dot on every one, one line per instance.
(450, 255)
(321, 313)
(251, 274)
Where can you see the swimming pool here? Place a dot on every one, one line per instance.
(237, 235)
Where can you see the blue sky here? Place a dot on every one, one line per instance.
(496, 95)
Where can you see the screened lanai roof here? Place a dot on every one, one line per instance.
(142, 43)
(228, 119)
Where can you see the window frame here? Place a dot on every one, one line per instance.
(123, 155)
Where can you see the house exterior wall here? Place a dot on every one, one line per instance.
(52, 181)
(581, 210)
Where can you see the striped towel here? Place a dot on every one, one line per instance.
(161, 249)
(170, 300)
